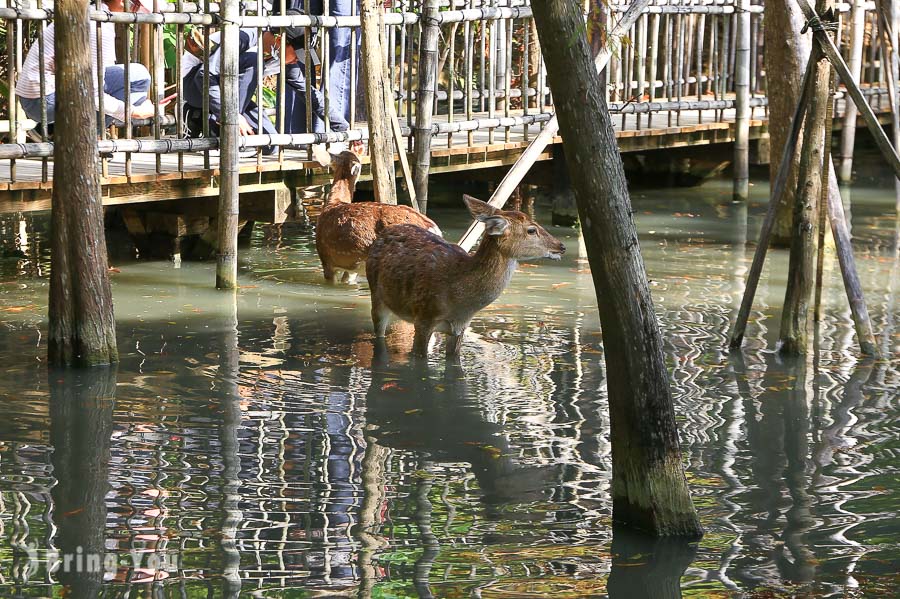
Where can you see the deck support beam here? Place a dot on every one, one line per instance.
(742, 102)
(226, 254)
(425, 99)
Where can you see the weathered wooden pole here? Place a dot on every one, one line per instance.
(795, 316)
(841, 233)
(229, 137)
(742, 102)
(649, 490)
(381, 143)
(834, 55)
(888, 17)
(82, 326)
(786, 57)
(523, 164)
(778, 191)
(848, 128)
(425, 99)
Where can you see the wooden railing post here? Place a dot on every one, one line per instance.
(742, 102)
(229, 132)
(848, 129)
(381, 143)
(425, 99)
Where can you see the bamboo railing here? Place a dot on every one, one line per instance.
(688, 61)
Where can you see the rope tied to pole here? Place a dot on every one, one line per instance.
(826, 22)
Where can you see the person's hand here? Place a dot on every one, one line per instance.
(144, 110)
(245, 127)
(290, 56)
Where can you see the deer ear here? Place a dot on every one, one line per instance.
(355, 169)
(494, 225)
(322, 155)
(479, 210)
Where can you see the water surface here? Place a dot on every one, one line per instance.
(249, 444)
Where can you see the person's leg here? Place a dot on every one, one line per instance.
(32, 108)
(139, 79)
(114, 83)
(294, 100)
(339, 68)
(297, 81)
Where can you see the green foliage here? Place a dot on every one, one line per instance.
(170, 40)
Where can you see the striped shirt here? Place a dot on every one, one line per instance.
(28, 84)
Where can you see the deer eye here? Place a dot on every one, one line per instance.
(532, 230)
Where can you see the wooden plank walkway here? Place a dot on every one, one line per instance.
(29, 193)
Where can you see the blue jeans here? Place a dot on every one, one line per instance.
(339, 65)
(295, 104)
(113, 84)
(247, 80)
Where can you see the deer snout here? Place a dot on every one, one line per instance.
(557, 252)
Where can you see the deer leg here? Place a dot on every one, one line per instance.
(422, 338)
(454, 344)
(349, 277)
(328, 271)
(381, 317)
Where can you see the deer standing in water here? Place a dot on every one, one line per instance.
(345, 231)
(436, 285)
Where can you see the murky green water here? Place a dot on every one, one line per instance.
(251, 446)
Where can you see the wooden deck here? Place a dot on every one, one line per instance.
(29, 193)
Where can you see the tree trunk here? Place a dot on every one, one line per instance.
(787, 51)
(381, 144)
(649, 489)
(796, 317)
(82, 324)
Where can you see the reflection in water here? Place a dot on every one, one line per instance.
(229, 425)
(646, 568)
(81, 416)
(259, 444)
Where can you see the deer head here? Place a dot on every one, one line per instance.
(517, 237)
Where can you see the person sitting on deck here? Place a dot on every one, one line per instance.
(28, 85)
(193, 68)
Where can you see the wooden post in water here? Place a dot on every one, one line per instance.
(381, 144)
(229, 134)
(649, 490)
(82, 326)
(425, 99)
(742, 102)
(795, 317)
(778, 189)
(848, 128)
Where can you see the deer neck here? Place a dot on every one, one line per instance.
(341, 192)
(488, 271)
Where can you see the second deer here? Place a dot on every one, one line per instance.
(437, 286)
(345, 231)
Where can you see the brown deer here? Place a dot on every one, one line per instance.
(436, 285)
(345, 231)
